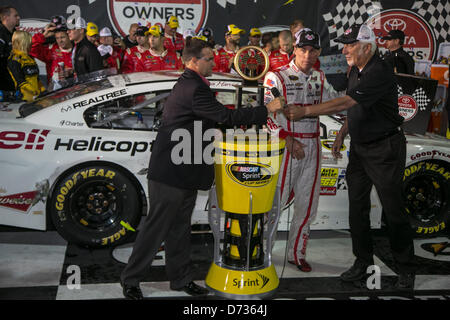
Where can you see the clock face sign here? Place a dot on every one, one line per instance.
(420, 40)
(191, 14)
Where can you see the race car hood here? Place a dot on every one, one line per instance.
(427, 139)
(9, 110)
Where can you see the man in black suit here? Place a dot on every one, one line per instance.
(173, 187)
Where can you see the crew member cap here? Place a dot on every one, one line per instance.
(232, 29)
(79, 23)
(189, 33)
(306, 37)
(172, 22)
(141, 31)
(91, 29)
(105, 32)
(154, 30)
(394, 34)
(357, 32)
(255, 32)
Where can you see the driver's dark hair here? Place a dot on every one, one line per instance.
(193, 49)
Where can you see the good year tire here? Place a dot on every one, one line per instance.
(426, 191)
(95, 206)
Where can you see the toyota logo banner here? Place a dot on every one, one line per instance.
(425, 23)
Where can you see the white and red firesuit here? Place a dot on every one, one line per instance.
(299, 177)
(168, 60)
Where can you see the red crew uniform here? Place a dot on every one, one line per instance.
(168, 60)
(222, 59)
(279, 59)
(174, 43)
(51, 55)
(131, 59)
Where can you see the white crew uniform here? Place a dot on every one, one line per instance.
(299, 177)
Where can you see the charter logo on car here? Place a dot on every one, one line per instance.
(420, 40)
(190, 13)
(33, 140)
(407, 107)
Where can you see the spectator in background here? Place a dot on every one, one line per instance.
(85, 58)
(208, 34)
(10, 20)
(56, 56)
(130, 39)
(275, 41)
(281, 57)
(188, 35)
(110, 51)
(254, 37)
(173, 40)
(92, 33)
(398, 58)
(157, 57)
(133, 54)
(23, 68)
(296, 26)
(223, 57)
(266, 42)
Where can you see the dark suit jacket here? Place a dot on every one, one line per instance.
(192, 100)
(400, 60)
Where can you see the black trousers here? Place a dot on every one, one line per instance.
(382, 164)
(169, 220)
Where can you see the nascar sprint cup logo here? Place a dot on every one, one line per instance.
(420, 41)
(191, 14)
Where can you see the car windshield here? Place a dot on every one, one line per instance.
(63, 95)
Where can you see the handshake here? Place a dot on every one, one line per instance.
(279, 104)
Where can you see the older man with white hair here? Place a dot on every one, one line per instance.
(377, 153)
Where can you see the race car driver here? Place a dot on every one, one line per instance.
(301, 85)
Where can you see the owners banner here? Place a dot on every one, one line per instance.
(426, 23)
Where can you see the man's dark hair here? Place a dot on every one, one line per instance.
(193, 49)
(266, 37)
(5, 11)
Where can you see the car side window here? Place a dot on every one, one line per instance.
(136, 112)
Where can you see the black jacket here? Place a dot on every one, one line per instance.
(87, 58)
(192, 100)
(6, 83)
(400, 61)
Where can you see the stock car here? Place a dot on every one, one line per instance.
(76, 161)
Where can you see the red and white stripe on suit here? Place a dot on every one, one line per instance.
(299, 177)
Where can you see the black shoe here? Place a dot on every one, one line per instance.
(193, 289)
(405, 281)
(357, 272)
(132, 292)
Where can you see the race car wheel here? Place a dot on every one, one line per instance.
(426, 192)
(95, 206)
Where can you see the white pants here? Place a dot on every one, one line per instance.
(301, 179)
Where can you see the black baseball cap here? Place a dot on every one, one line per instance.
(394, 34)
(357, 32)
(307, 38)
(60, 23)
(141, 31)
